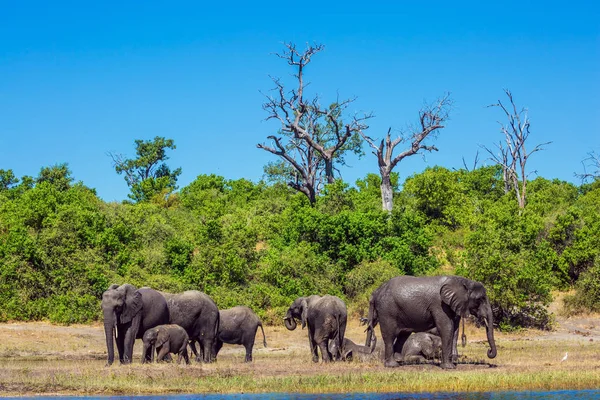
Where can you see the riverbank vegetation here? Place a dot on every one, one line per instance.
(263, 244)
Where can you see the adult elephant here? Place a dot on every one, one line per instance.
(326, 320)
(407, 304)
(131, 312)
(238, 325)
(198, 314)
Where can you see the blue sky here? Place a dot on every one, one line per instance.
(80, 79)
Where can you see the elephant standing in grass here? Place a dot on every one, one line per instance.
(407, 304)
(325, 318)
(238, 325)
(166, 339)
(198, 314)
(128, 313)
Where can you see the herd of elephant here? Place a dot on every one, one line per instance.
(419, 319)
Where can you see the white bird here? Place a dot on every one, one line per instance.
(565, 357)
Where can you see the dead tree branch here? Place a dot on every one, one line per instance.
(513, 155)
(431, 119)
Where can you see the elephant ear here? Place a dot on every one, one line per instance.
(132, 305)
(455, 294)
(162, 338)
(304, 312)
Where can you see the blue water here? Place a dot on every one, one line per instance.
(554, 395)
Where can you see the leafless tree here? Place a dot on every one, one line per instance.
(431, 119)
(591, 167)
(512, 154)
(475, 162)
(316, 133)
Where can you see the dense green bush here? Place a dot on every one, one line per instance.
(264, 245)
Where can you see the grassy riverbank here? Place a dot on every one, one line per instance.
(40, 358)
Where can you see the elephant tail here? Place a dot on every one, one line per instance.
(263, 332)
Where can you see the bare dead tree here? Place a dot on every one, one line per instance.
(475, 162)
(305, 120)
(512, 154)
(304, 162)
(431, 119)
(591, 167)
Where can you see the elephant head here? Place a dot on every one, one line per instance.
(298, 310)
(154, 338)
(465, 297)
(120, 304)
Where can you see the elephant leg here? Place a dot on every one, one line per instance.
(194, 351)
(207, 347)
(128, 344)
(415, 359)
(164, 350)
(218, 346)
(388, 341)
(249, 345)
(325, 354)
(185, 356)
(445, 327)
(313, 344)
(121, 342)
(455, 339)
(399, 344)
(130, 337)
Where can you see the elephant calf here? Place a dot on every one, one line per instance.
(238, 325)
(166, 339)
(419, 347)
(351, 350)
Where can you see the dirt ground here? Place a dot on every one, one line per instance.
(38, 348)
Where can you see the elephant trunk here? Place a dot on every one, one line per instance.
(109, 327)
(489, 326)
(153, 351)
(290, 322)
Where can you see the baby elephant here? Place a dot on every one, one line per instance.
(351, 350)
(166, 339)
(421, 346)
(238, 325)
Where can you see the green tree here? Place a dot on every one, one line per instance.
(147, 175)
(7, 179)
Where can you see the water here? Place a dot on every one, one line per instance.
(553, 395)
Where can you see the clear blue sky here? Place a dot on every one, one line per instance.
(80, 79)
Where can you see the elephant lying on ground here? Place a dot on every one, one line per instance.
(420, 347)
(198, 314)
(407, 304)
(325, 318)
(238, 325)
(165, 339)
(353, 351)
(130, 312)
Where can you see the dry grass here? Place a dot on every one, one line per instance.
(39, 358)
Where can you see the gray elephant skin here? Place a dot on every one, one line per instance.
(128, 313)
(407, 304)
(166, 339)
(238, 325)
(198, 314)
(421, 347)
(325, 318)
(351, 351)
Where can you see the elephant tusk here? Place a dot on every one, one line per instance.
(486, 323)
